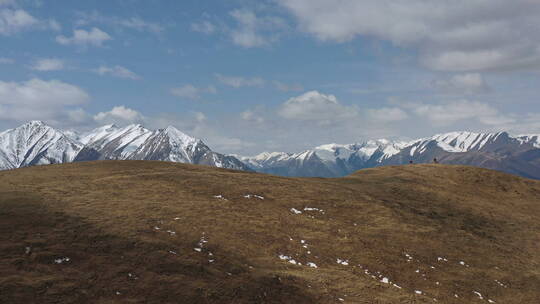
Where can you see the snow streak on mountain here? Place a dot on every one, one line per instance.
(35, 143)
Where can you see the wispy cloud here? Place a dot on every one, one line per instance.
(121, 114)
(191, 92)
(92, 37)
(252, 30)
(134, 23)
(48, 64)
(288, 87)
(205, 27)
(238, 81)
(117, 71)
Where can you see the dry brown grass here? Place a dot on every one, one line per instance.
(102, 215)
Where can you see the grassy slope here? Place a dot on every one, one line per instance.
(104, 215)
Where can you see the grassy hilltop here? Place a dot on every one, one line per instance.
(156, 232)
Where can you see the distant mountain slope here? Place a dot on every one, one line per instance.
(162, 232)
(35, 143)
(499, 151)
(325, 161)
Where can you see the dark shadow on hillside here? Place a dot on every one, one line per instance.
(105, 268)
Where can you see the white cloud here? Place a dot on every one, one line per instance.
(314, 106)
(205, 27)
(238, 82)
(452, 112)
(191, 92)
(36, 92)
(251, 116)
(93, 37)
(134, 23)
(461, 35)
(119, 114)
(387, 114)
(117, 71)
(255, 31)
(288, 87)
(471, 83)
(140, 25)
(200, 117)
(15, 20)
(48, 64)
(4, 60)
(38, 99)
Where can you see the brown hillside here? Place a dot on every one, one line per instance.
(154, 232)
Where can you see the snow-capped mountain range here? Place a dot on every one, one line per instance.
(36, 143)
(500, 151)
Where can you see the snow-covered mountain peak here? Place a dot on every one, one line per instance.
(35, 143)
(267, 155)
(178, 136)
(462, 141)
(97, 134)
(35, 123)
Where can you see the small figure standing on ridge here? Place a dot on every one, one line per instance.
(410, 162)
(435, 161)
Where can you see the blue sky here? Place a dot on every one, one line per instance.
(251, 76)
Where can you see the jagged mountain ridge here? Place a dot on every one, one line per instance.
(499, 151)
(36, 143)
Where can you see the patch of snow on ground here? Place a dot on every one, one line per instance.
(440, 259)
(385, 280)
(313, 209)
(283, 257)
(408, 256)
(501, 284)
(294, 262)
(478, 294)
(296, 211)
(221, 197)
(312, 265)
(342, 262)
(418, 292)
(248, 196)
(61, 260)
